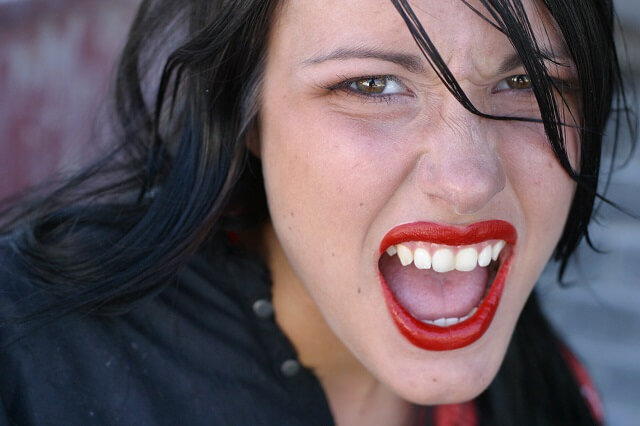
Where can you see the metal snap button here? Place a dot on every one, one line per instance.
(290, 368)
(263, 309)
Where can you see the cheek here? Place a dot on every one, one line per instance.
(543, 188)
(326, 181)
(539, 181)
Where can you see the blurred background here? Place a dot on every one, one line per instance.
(57, 59)
(598, 310)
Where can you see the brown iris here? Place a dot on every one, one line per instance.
(371, 85)
(519, 82)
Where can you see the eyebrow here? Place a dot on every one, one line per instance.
(412, 63)
(513, 61)
(415, 63)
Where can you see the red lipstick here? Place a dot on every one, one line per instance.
(433, 337)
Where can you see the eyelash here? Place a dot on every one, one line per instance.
(345, 87)
(515, 80)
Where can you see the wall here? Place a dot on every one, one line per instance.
(56, 57)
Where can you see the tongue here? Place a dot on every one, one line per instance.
(430, 295)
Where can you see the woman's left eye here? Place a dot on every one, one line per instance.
(376, 86)
(515, 82)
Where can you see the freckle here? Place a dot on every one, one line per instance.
(289, 228)
(361, 204)
(291, 213)
(434, 380)
(359, 290)
(333, 254)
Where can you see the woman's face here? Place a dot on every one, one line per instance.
(364, 149)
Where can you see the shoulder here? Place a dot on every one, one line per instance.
(9, 263)
(15, 290)
(194, 353)
(20, 296)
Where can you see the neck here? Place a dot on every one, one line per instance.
(355, 396)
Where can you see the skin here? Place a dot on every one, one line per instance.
(342, 169)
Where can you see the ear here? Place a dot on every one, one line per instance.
(252, 140)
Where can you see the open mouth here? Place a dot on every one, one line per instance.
(442, 284)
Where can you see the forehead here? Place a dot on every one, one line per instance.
(305, 28)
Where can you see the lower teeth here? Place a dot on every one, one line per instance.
(446, 322)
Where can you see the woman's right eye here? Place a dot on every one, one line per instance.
(385, 88)
(377, 86)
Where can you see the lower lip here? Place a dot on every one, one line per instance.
(432, 337)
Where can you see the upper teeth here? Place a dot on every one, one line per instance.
(441, 258)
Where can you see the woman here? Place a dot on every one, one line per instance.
(332, 212)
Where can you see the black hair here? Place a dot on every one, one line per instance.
(180, 171)
(588, 30)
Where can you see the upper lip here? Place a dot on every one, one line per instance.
(450, 235)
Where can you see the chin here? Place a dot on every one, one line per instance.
(429, 364)
(448, 377)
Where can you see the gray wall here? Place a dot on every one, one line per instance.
(599, 313)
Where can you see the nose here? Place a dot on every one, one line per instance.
(460, 166)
